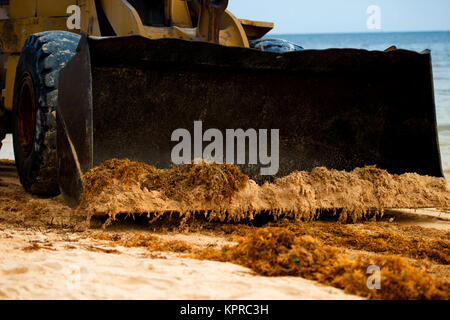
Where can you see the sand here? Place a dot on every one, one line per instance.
(49, 252)
(67, 267)
(7, 150)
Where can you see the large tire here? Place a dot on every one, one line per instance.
(274, 45)
(34, 111)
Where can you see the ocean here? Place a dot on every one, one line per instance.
(437, 42)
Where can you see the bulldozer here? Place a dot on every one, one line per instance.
(135, 71)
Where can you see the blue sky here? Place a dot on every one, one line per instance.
(330, 16)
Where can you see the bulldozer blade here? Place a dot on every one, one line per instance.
(123, 97)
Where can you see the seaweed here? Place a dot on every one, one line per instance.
(146, 241)
(278, 252)
(222, 192)
(331, 253)
(388, 240)
(312, 251)
(218, 181)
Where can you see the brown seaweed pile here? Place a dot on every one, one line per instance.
(222, 192)
(412, 242)
(312, 250)
(278, 252)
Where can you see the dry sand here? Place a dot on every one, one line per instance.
(67, 267)
(47, 252)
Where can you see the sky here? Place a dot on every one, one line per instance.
(341, 16)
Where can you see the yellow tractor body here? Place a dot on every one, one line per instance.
(23, 18)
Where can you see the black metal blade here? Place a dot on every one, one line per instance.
(339, 108)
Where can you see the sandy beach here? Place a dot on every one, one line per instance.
(207, 151)
(48, 252)
(69, 267)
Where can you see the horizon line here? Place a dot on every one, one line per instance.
(355, 32)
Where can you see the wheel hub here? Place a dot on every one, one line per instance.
(26, 115)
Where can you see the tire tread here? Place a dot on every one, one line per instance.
(53, 49)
